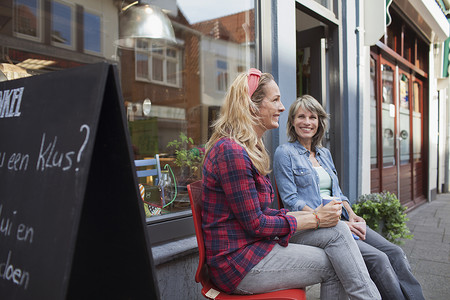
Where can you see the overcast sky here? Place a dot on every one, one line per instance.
(201, 10)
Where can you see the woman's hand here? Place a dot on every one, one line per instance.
(358, 229)
(356, 224)
(329, 214)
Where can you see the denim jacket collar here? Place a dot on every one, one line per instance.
(303, 150)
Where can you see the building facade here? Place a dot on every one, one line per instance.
(378, 67)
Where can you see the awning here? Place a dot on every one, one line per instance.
(427, 16)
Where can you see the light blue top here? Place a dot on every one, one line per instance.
(298, 182)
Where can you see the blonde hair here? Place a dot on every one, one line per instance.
(239, 116)
(308, 103)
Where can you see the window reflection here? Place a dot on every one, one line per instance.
(62, 21)
(92, 32)
(186, 84)
(27, 18)
(172, 92)
(388, 115)
(417, 120)
(404, 130)
(157, 62)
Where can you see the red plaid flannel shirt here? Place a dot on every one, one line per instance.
(239, 227)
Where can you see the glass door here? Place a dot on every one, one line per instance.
(404, 138)
(417, 141)
(388, 124)
(396, 132)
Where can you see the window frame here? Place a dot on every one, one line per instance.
(39, 26)
(100, 15)
(150, 54)
(73, 25)
(222, 75)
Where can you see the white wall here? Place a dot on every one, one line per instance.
(433, 128)
(365, 124)
(376, 28)
(442, 138)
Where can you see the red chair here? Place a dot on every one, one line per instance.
(209, 290)
(280, 202)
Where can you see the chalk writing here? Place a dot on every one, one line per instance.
(18, 161)
(23, 232)
(15, 161)
(5, 224)
(10, 101)
(2, 158)
(86, 139)
(50, 158)
(11, 273)
(49, 155)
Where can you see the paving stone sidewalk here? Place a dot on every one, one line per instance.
(428, 252)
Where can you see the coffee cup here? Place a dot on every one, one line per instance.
(361, 225)
(328, 199)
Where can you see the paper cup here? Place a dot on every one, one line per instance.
(361, 225)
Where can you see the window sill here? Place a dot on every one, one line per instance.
(171, 251)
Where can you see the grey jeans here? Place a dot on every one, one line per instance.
(389, 268)
(328, 256)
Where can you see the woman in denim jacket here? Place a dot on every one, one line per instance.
(305, 172)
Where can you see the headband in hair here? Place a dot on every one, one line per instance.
(253, 79)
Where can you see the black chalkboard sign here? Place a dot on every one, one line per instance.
(72, 224)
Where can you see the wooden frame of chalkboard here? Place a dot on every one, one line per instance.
(72, 225)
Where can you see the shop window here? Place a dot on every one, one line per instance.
(222, 75)
(63, 25)
(27, 19)
(158, 62)
(172, 92)
(185, 84)
(92, 32)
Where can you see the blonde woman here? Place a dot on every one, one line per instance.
(247, 243)
(305, 172)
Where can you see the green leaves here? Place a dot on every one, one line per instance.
(384, 213)
(186, 154)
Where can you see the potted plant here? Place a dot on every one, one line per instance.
(188, 157)
(384, 213)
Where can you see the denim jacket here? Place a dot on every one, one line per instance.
(296, 179)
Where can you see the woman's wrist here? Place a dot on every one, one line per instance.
(317, 219)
